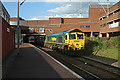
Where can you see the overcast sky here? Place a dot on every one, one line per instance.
(43, 9)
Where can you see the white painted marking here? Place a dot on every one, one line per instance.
(60, 64)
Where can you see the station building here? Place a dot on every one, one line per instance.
(101, 22)
(6, 33)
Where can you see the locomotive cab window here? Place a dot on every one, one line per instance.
(72, 36)
(65, 37)
(79, 36)
(31, 38)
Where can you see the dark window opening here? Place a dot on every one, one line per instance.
(117, 10)
(32, 38)
(104, 17)
(81, 26)
(104, 35)
(72, 36)
(65, 37)
(87, 26)
(110, 22)
(117, 20)
(62, 20)
(110, 14)
(79, 36)
(104, 25)
(101, 19)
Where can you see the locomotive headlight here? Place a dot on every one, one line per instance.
(82, 45)
(70, 45)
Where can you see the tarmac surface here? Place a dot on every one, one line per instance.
(33, 63)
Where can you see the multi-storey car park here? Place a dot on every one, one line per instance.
(103, 21)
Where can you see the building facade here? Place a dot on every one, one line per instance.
(6, 33)
(101, 22)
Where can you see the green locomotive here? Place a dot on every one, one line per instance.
(68, 40)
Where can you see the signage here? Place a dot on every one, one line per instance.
(114, 25)
(53, 39)
(8, 29)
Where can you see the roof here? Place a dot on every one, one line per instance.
(69, 31)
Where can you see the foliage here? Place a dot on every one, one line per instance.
(98, 43)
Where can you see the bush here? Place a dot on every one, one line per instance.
(115, 42)
(97, 43)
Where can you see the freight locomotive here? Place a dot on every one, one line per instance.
(65, 41)
(31, 39)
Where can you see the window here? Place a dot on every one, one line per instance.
(87, 26)
(81, 26)
(117, 10)
(104, 17)
(110, 22)
(72, 36)
(110, 14)
(42, 30)
(104, 25)
(101, 18)
(32, 38)
(62, 20)
(65, 37)
(79, 36)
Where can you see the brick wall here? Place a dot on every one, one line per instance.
(0, 38)
(7, 39)
(112, 17)
(95, 12)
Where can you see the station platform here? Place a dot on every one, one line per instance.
(35, 63)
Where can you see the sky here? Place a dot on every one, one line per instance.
(43, 9)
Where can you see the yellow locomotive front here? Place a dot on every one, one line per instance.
(75, 40)
(31, 39)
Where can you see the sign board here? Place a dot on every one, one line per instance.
(8, 29)
(114, 25)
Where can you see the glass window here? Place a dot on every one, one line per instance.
(79, 36)
(32, 38)
(81, 26)
(87, 26)
(72, 36)
(65, 37)
(42, 30)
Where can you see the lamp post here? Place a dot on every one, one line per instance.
(18, 40)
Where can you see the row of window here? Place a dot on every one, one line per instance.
(110, 14)
(83, 26)
(111, 22)
(5, 17)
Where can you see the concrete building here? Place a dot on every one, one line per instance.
(99, 23)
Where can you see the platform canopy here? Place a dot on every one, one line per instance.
(21, 24)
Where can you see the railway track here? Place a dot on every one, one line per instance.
(101, 66)
(85, 67)
(111, 69)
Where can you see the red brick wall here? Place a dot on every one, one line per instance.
(7, 39)
(0, 38)
(54, 20)
(110, 18)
